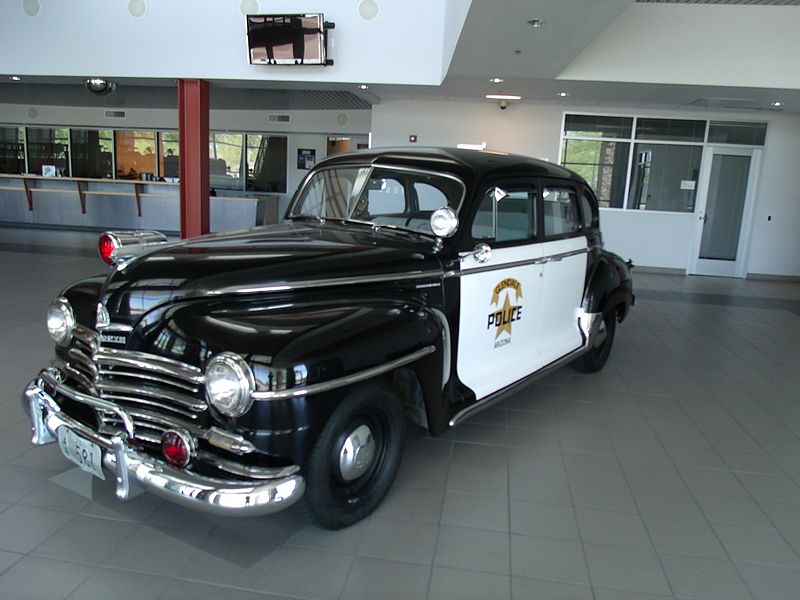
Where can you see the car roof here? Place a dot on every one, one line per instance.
(467, 163)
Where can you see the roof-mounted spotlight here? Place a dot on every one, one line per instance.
(99, 86)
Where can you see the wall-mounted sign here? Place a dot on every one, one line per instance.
(306, 158)
(688, 184)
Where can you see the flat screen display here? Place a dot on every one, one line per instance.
(286, 39)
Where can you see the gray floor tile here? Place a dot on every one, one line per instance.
(156, 551)
(86, 540)
(479, 512)
(424, 506)
(473, 549)
(604, 594)
(475, 454)
(670, 504)
(372, 578)
(602, 495)
(42, 579)
(523, 588)
(785, 516)
(690, 538)
(733, 510)
(546, 558)
(613, 529)
(306, 573)
(705, 578)
(7, 559)
(626, 570)
(525, 485)
(761, 546)
(343, 541)
(767, 487)
(478, 480)
(18, 482)
(449, 583)
(399, 540)
(122, 585)
(56, 497)
(22, 528)
(593, 468)
(655, 476)
(188, 590)
(712, 482)
(545, 520)
(223, 560)
(539, 463)
(770, 583)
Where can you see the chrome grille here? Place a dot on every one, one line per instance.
(159, 393)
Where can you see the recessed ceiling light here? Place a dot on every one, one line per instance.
(496, 80)
(776, 104)
(563, 94)
(363, 86)
(15, 78)
(503, 97)
(536, 23)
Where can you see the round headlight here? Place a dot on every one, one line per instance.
(444, 222)
(229, 384)
(60, 320)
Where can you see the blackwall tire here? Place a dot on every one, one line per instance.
(595, 358)
(370, 425)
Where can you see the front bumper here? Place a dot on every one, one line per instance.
(127, 463)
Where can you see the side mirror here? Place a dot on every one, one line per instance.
(444, 222)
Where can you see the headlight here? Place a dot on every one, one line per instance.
(229, 384)
(60, 320)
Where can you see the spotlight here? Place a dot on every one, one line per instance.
(99, 87)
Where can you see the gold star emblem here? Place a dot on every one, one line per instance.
(506, 318)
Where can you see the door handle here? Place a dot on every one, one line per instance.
(705, 219)
(482, 252)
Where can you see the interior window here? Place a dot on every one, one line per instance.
(561, 216)
(385, 196)
(515, 215)
(429, 197)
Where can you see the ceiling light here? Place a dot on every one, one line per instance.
(563, 94)
(503, 97)
(536, 23)
(363, 86)
(496, 80)
(776, 104)
(15, 78)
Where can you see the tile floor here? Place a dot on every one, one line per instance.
(673, 473)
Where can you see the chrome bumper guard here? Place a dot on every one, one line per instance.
(208, 494)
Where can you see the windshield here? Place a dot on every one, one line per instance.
(379, 195)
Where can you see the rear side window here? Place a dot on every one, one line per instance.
(561, 213)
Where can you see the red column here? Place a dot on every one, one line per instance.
(193, 133)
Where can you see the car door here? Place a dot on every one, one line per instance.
(500, 283)
(565, 254)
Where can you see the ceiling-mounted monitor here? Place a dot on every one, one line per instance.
(288, 39)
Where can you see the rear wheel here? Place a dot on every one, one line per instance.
(356, 458)
(596, 357)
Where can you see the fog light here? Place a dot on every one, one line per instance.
(177, 447)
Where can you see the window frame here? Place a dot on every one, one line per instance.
(571, 186)
(509, 184)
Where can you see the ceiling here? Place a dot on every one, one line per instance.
(493, 43)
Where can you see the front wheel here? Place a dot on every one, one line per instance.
(596, 357)
(356, 457)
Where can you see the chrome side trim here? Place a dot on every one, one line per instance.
(501, 394)
(446, 345)
(333, 384)
(320, 283)
(518, 263)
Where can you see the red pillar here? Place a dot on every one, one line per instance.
(193, 133)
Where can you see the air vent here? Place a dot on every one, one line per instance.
(115, 114)
(724, 102)
(279, 118)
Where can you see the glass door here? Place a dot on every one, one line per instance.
(725, 202)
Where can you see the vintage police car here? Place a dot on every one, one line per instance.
(233, 373)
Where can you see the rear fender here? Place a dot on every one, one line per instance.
(610, 286)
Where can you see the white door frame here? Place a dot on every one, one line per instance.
(737, 268)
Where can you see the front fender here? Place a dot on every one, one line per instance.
(609, 286)
(293, 345)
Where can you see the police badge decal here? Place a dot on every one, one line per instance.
(503, 317)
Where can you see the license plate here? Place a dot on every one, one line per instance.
(87, 455)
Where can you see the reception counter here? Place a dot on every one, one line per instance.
(73, 202)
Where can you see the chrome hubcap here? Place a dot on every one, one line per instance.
(600, 336)
(357, 453)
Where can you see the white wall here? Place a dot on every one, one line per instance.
(650, 239)
(696, 44)
(206, 39)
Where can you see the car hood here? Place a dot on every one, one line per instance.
(266, 259)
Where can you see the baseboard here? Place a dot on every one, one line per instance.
(658, 270)
(769, 277)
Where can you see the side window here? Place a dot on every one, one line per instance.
(429, 198)
(385, 196)
(506, 215)
(561, 214)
